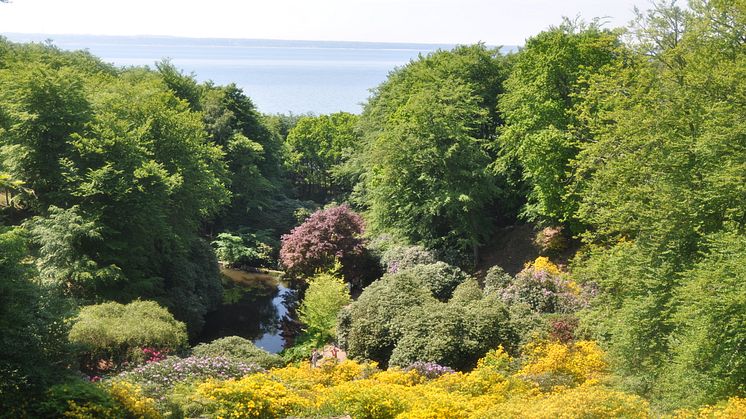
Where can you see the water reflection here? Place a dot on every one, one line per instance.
(255, 307)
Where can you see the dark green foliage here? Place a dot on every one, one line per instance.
(58, 397)
(118, 332)
(33, 347)
(398, 320)
(119, 175)
(372, 330)
(240, 349)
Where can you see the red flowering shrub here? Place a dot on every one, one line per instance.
(326, 236)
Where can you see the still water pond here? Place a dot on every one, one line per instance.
(256, 306)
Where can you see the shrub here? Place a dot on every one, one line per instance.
(439, 277)
(254, 396)
(158, 378)
(248, 249)
(550, 362)
(372, 330)
(119, 332)
(238, 349)
(75, 394)
(325, 297)
(327, 236)
(544, 288)
(429, 370)
(403, 257)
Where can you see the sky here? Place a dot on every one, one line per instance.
(495, 22)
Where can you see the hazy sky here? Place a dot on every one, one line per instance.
(434, 21)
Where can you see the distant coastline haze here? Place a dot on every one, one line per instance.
(421, 21)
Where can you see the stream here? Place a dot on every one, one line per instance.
(256, 306)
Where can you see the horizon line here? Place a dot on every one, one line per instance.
(450, 44)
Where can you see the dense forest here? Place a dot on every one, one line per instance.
(125, 191)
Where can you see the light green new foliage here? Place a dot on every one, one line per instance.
(120, 331)
(428, 179)
(325, 297)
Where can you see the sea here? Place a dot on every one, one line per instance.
(280, 76)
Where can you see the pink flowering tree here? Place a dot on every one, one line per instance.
(327, 236)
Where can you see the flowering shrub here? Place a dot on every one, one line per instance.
(157, 378)
(130, 397)
(500, 386)
(239, 349)
(552, 363)
(325, 237)
(153, 355)
(403, 257)
(429, 370)
(544, 288)
(733, 408)
(254, 396)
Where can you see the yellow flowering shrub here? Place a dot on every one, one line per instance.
(542, 263)
(733, 408)
(581, 362)
(130, 397)
(496, 388)
(581, 402)
(366, 399)
(88, 411)
(254, 396)
(398, 376)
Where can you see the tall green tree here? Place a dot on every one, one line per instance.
(660, 186)
(541, 132)
(428, 140)
(318, 147)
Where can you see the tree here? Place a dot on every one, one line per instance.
(327, 236)
(541, 132)
(325, 296)
(428, 179)
(435, 118)
(33, 343)
(318, 147)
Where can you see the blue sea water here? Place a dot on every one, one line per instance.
(279, 76)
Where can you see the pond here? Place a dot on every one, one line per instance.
(256, 306)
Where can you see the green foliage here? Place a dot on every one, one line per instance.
(709, 361)
(325, 296)
(33, 333)
(372, 330)
(428, 140)
(58, 398)
(119, 332)
(428, 180)
(664, 178)
(403, 257)
(318, 147)
(541, 132)
(440, 278)
(240, 349)
(66, 239)
(244, 249)
(399, 320)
